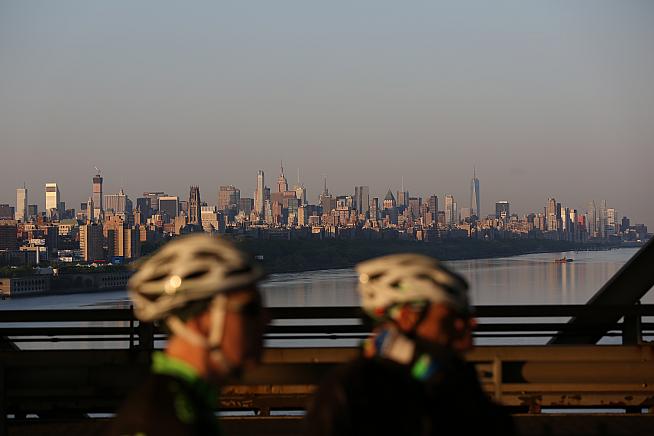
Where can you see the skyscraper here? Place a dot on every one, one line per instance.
(552, 217)
(362, 199)
(169, 206)
(21, 204)
(52, 199)
(259, 194)
(229, 197)
(119, 203)
(502, 210)
(97, 196)
(450, 210)
(475, 208)
(591, 219)
(194, 207)
(282, 184)
(300, 190)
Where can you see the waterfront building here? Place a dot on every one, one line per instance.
(52, 199)
(259, 195)
(21, 204)
(98, 196)
(475, 205)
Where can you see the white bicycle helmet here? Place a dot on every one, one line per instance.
(397, 279)
(187, 270)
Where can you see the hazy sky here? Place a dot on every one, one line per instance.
(550, 98)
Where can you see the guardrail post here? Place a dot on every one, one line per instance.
(146, 336)
(631, 327)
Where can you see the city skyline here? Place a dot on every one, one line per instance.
(545, 99)
(456, 204)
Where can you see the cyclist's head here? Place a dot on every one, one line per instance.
(418, 295)
(204, 289)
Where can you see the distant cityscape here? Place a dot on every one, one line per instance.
(112, 228)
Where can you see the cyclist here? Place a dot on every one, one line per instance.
(204, 290)
(411, 378)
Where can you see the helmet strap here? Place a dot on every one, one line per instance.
(212, 342)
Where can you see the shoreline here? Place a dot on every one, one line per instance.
(343, 266)
(481, 256)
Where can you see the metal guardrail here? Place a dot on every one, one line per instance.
(118, 326)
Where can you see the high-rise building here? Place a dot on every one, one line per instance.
(602, 220)
(282, 184)
(259, 194)
(552, 215)
(90, 211)
(229, 197)
(8, 235)
(194, 207)
(362, 199)
(475, 208)
(415, 203)
(91, 242)
(591, 219)
(502, 210)
(98, 196)
(433, 204)
(52, 199)
(21, 204)
(169, 205)
(7, 212)
(389, 200)
(32, 211)
(154, 199)
(450, 210)
(119, 204)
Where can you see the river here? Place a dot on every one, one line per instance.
(526, 279)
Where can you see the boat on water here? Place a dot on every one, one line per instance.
(564, 260)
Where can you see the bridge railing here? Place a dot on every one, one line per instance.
(117, 328)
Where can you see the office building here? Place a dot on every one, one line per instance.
(282, 184)
(503, 211)
(450, 210)
(52, 199)
(119, 204)
(97, 196)
(259, 194)
(553, 215)
(21, 204)
(229, 197)
(169, 206)
(475, 208)
(91, 242)
(7, 212)
(389, 200)
(362, 199)
(8, 235)
(32, 211)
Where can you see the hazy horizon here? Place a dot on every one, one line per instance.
(548, 99)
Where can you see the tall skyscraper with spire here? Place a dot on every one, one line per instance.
(300, 190)
(475, 207)
(259, 194)
(282, 184)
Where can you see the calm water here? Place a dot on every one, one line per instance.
(528, 279)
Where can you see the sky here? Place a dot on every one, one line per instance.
(545, 99)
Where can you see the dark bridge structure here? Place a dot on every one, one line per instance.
(569, 369)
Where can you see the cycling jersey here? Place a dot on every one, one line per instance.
(174, 400)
